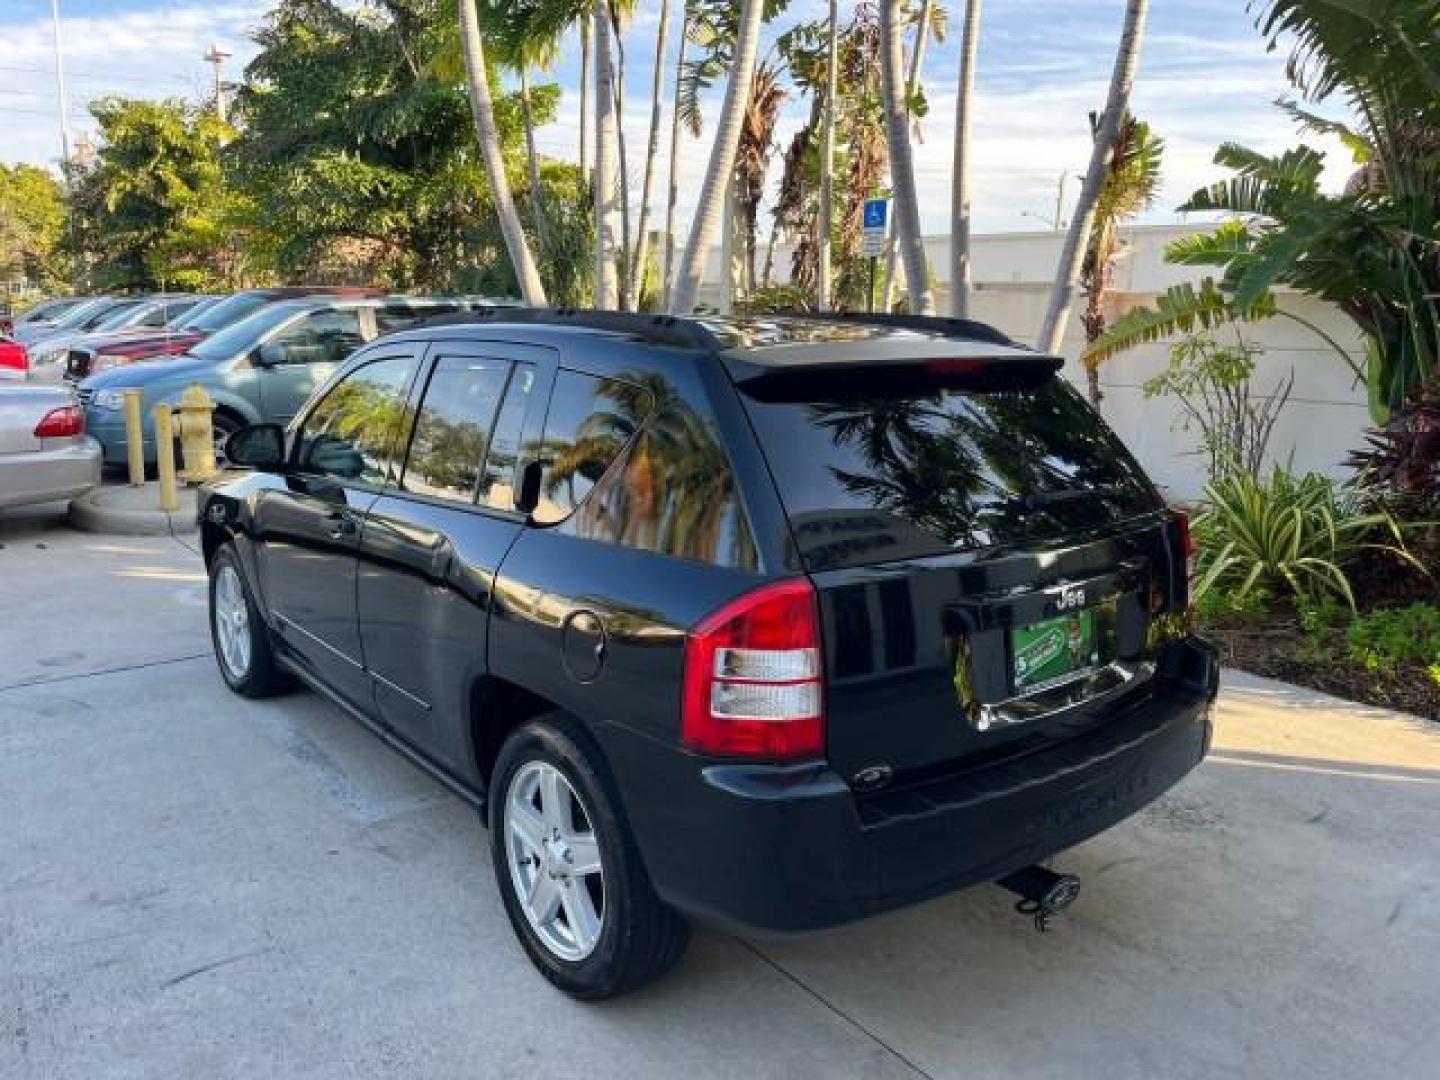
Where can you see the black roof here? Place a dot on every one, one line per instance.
(778, 339)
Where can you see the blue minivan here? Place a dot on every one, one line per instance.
(259, 369)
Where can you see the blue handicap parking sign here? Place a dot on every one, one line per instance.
(875, 213)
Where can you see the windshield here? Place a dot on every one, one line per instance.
(118, 316)
(187, 318)
(875, 478)
(77, 315)
(244, 335)
(223, 312)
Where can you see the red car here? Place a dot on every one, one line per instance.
(14, 360)
(194, 328)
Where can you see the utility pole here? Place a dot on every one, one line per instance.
(65, 163)
(217, 56)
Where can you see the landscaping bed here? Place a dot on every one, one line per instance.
(1378, 657)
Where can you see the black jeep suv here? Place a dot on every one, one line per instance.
(775, 623)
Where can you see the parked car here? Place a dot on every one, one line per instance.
(14, 360)
(45, 455)
(86, 315)
(46, 311)
(85, 359)
(260, 368)
(774, 624)
(136, 316)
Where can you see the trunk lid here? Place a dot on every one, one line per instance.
(991, 563)
(21, 410)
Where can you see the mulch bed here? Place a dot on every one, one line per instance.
(1273, 644)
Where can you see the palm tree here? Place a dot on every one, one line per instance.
(1072, 256)
(752, 163)
(1131, 187)
(960, 273)
(722, 160)
(606, 195)
(674, 192)
(652, 151)
(902, 167)
(931, 16)
(531, 290)
(584, 97)
(827, 158)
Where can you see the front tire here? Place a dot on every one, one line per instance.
(237, 631)
(569, 872)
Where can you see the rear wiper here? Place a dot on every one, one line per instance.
(1043, 499)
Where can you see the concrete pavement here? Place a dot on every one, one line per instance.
(195, 885)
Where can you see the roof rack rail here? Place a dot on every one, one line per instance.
(948, 327)
(654, 329)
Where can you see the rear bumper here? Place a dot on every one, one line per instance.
(791, 849)
(49, 475)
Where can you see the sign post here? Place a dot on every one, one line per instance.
(874, 236)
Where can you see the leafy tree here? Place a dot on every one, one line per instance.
(32, 223)
(357, 143)
(156, 210)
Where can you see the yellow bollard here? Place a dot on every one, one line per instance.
(135, 437)
(165, 457)
(197, 434)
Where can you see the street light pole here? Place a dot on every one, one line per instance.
(60, 85)
(217, 56)
(65, 163)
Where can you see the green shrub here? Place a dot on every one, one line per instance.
(1292, 535)
(1389, 638)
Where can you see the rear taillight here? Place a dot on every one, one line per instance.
(64, 422)
(1187, 543)
(14, 357)
(752, 677)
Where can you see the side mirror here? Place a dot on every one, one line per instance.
(527, 496)
(272, 354)
(258, 446)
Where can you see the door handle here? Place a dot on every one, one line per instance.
(340, 525)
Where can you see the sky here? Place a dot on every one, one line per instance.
(1205, 78)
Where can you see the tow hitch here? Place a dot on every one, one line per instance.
(1042, 893)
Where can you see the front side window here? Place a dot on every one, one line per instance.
(452, 427)
(591, 420)
(320, 337)
(351, 432)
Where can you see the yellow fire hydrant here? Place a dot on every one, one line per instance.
(197, 435)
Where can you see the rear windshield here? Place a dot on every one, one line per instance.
(924, 471)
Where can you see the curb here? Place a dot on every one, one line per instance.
(90, 513)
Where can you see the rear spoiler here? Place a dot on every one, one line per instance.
(851, 377)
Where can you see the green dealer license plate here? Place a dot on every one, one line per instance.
(1055, 650)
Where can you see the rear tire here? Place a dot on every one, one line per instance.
(237, 631)
(635, 937)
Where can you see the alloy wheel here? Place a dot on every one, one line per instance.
(232, 622)
(554, 861)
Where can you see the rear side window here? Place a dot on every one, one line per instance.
(590, 421)
(452, 427)
(872, 478)
(497, 482)
(673, 493)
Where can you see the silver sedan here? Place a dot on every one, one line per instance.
(45, 455)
